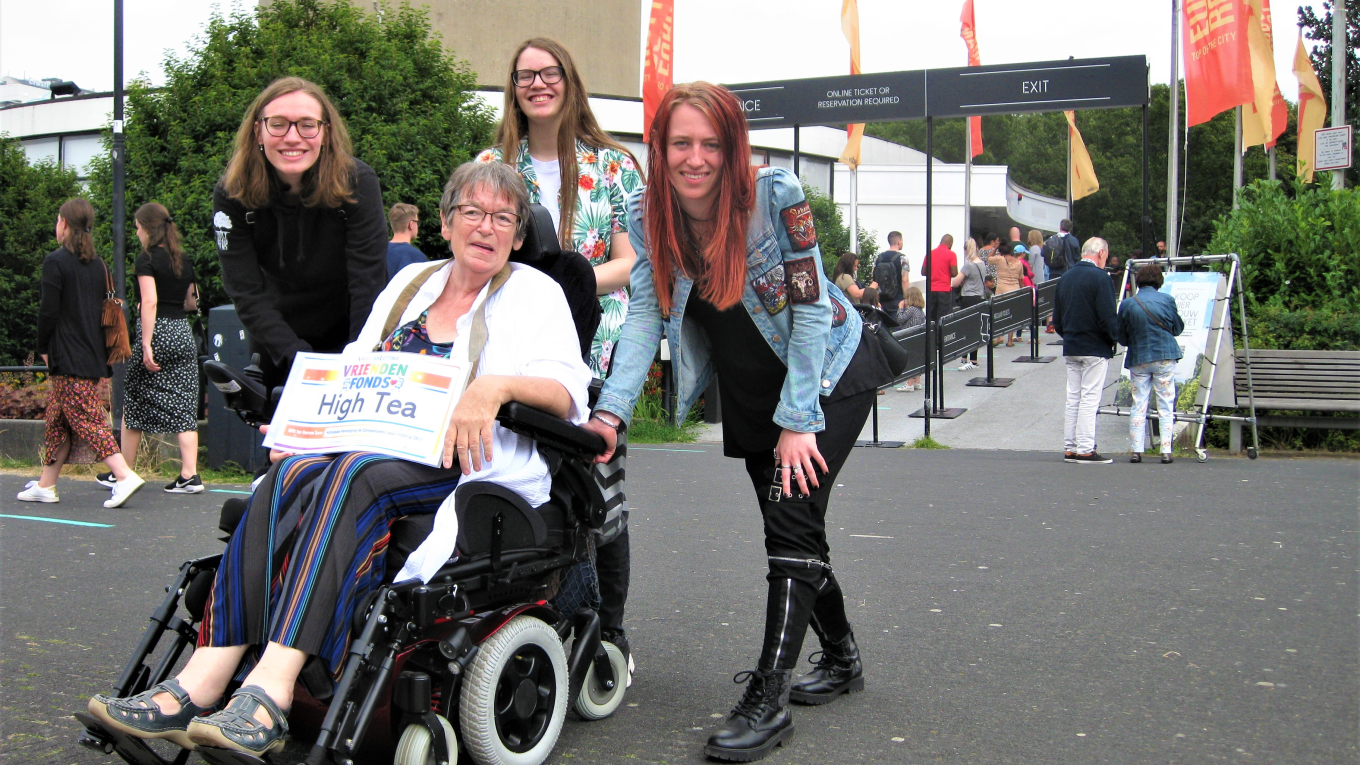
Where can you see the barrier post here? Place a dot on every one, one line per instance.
(991, 380)
(1042, 308)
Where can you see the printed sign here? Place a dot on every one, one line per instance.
(1195, 294)
(396, 404)
(1332, 148)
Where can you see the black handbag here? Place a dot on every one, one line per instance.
(881, 325)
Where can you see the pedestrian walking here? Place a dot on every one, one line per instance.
(1084, 314)
(797, 379)
(160, 390)
(71, 343)
(571, 166)
(971, 280)
(1148, 325)
(405, 222)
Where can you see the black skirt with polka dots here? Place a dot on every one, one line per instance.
(164, 401)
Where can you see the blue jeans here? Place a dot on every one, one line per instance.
(1153, 375)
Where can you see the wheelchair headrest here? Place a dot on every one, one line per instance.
(540, 241)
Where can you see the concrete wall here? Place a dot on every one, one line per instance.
(602, 35)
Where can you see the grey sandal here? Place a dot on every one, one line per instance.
(236, 727)
(139, 716)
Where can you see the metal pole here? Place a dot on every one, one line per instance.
(967, 180)
(1338, 78)
(930, 201)
(1173, 143)
(1237, 155)
(1271, 153)
(1069, 169)
(854, 210)
(1147, 183)
(119, 201)
(796, 155)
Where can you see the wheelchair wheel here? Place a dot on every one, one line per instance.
(595, 701)
(514, 696)
(417, 748)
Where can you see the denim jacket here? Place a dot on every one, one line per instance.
(1145, 340)
(807, 321)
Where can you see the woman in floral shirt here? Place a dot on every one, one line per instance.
(551, 134)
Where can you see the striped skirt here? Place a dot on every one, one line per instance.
(311, 546)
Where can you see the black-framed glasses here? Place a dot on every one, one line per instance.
(472, 215)
(279, 127)
(551, 75)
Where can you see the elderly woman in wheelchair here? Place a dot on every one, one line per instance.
(302, 568)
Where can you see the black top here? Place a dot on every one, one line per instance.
(72, 302)
(1084, 312)
(170, 289)
(750, 376)
(303, 278)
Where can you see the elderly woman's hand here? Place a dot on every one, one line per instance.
(608, 432)
(470, 439)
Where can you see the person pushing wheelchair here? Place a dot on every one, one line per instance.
(287, 592)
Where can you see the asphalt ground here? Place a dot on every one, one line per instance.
(1011, 608)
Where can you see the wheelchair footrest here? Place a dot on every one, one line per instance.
(132, 749)
(217, 756)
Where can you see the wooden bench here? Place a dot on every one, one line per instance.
(1310, 381)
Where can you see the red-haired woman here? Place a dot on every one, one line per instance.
(728, 266)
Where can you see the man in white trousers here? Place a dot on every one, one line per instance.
(1084, 314)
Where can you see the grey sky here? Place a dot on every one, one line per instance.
(717, 40)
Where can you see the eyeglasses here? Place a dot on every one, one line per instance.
(472, 216)
(279, 127)
(551, 75)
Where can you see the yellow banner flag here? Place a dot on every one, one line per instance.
(1082, 179)
(1312, 108)
(854, 134)
(1257, 125)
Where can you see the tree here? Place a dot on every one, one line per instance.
(30, 196)
(408, 104)
(1320, 29)
(833, 237)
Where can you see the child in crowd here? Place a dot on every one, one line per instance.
(913, 314)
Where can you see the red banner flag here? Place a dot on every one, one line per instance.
(969, 34)
(1217, 58)
(656, 65)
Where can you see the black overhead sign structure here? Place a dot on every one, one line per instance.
(1044, 86)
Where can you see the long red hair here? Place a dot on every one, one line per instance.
(724, 254)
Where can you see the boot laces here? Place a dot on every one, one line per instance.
(822, 659)
(753, 701)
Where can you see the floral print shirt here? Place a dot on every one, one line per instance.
(605, 179)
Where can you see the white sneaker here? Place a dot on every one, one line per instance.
(967, 365)
(124, 489)
(34, 493)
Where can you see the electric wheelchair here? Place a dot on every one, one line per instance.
(483, 654)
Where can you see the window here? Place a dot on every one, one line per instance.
(41, 149)
(78, 150)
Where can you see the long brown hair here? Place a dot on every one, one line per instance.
(328, 183)
(578, 124)
(724, 254)
(79, 216)
(161, 232)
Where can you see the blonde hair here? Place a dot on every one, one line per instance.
(915, 298)
(328, 183)
(970, 249)
(401, 214)
(578, 124)
(1036, 239)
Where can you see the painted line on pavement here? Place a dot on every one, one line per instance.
(229, 491)
(57, 520)
(869, 536)
(647, 449)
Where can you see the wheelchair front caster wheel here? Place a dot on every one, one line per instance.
(1201, 455)
(1251, 453)
(598, 699)
(416, 746)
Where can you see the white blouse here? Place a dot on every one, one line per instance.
(530, 332)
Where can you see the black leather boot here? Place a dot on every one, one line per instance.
(838, 671)
(760, 722)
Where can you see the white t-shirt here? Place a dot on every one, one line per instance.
(549, 187)
(529, 332)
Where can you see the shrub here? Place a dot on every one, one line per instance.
(833, 237)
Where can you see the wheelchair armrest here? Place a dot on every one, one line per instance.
(550, 430)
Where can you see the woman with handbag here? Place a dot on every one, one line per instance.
(1148, 325)
(74, 346)
(728, 267)
(161, 388)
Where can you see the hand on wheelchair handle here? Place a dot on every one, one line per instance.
(610, 436)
